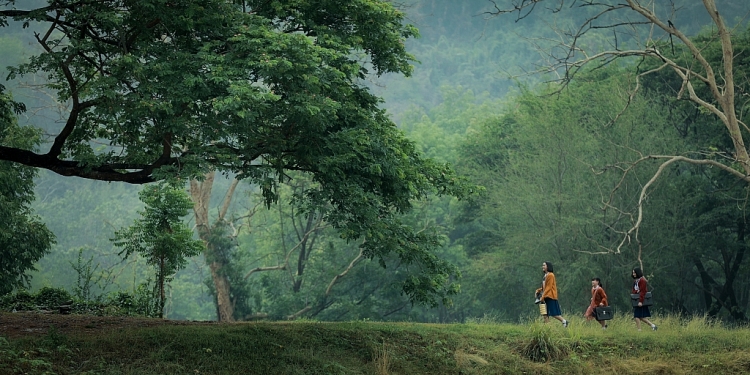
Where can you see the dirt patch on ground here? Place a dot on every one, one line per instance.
(21, 324)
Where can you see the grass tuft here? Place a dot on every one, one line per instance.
(466, 361)
(542, 345)
(382, 359)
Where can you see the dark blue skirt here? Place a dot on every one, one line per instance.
(553, 307)
(640, 312)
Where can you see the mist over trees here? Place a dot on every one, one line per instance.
(597, 166)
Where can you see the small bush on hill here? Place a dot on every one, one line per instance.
(542, 345)
(139, 303)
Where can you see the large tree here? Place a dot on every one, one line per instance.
(254, 88)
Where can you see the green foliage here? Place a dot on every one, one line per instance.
(46, 298)
(24, 239)
(20, 300)
(160, 236)
(141, 302)
(52, 297)
(88, 277)
(14, 361)
(144, 301)
(215, 69)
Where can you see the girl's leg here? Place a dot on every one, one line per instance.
(603, 323)
(546, 318)
(653, 326)
(562, 320)
(638, 323)
(589, 314)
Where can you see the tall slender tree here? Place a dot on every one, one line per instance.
(160, 236)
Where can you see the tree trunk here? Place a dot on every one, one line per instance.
(727, 297)
(161, 287)
(224, 306)
(706, 281)
(200, 192)
(304, 253)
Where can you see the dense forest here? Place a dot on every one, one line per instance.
(504, 153)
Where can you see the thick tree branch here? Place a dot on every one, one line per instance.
(114, 172)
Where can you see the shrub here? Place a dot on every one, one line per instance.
(52, 297)
(20, 301)
(541, 346)
(13, 361)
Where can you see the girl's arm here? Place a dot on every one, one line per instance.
(603, 301)
(642, 285)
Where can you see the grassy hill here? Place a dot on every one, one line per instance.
(96, 345)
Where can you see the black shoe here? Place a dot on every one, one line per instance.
(654, 328)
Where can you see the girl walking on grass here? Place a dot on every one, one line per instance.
(598, 298)
(640, 312)
(549, 295)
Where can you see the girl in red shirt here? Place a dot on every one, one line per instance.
(598, 298)
(640, 312)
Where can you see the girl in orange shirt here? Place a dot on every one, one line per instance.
(549, 295)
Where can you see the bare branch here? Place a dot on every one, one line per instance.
(227, 199)
(330, 285)
(285, 265)
(659, 171)
(342, 274)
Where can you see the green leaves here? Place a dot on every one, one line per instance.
(159, 235)
(200, 84)
(24, 239)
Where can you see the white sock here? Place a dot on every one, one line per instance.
(653, 325)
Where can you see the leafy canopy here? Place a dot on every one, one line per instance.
(254, 88)
(176, 88)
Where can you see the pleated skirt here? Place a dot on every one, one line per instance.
(553, 307)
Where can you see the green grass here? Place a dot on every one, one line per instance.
(680, 346)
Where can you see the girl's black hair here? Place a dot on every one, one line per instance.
(598, 280)
(549, 267)
(638, 272)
